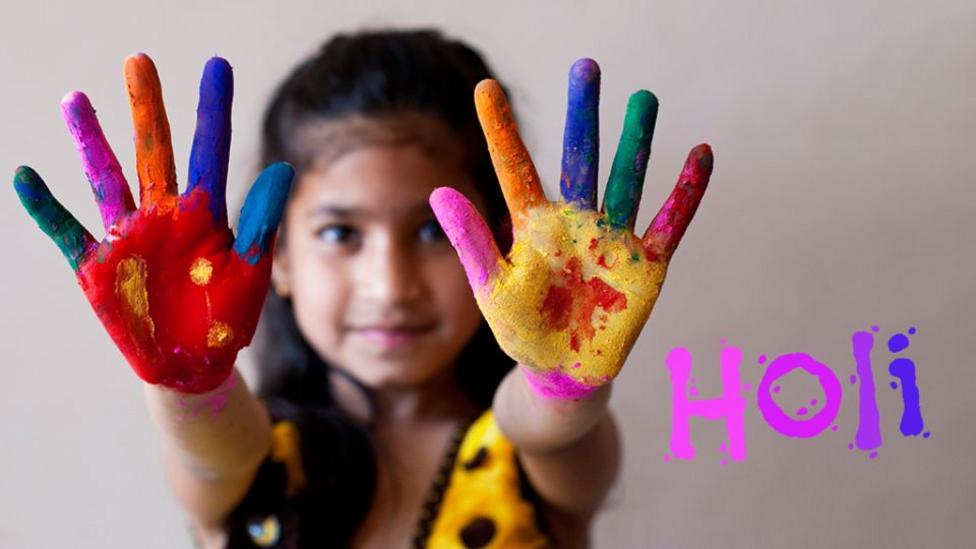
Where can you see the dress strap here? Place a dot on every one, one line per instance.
(435, 494)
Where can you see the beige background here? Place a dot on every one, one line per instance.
(842, 197)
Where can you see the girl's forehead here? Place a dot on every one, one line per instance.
(319, 144)
(392, 179)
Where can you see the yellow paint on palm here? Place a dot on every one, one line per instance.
(219, 334)
(130, 287)
(574, 284)
(200, 271)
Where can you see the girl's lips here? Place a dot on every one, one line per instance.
(393, 337)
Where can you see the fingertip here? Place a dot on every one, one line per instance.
(75, 100)
(444, 197)
(139, 71)
(705, 158)
(218, 64)
(486, 87)
(488, 94)
(218, 76)
(25, 173)
(585, 70)
(643, 101)
(280, 174)
(136, 58)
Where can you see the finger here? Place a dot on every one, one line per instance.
(262, 211)
(516, 173)
(469, 234)
(630, 163)
(154, 150)
(581, 139)
(671, 221)
(211, 141)
(101, 167)
(57, 222)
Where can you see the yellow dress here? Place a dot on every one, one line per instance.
(483, 504)
(479, 500)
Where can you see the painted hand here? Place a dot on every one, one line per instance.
(578, 285)
(178, 294)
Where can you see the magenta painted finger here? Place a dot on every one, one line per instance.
(101, 167)
(671, 221)
(469, 234)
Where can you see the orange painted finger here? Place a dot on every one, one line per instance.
(154, 150)
(516, 173)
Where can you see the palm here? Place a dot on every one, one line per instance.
(578, 285)
(178, 294)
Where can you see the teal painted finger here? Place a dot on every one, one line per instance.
(262, 211)
(57, 222)
(630, 163)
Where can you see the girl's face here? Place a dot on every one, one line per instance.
(376, 287)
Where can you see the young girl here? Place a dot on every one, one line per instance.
(386, 414)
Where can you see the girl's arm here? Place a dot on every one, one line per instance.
(215, 443)
(570, 449)
(571, 296)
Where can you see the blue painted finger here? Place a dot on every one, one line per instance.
(211, 141)
(263, 207)
(57, 222)
(581, 139)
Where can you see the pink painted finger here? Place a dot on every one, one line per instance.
(671, 221)
(468, 234)
(101, 167)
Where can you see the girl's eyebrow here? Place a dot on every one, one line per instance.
(346, 212)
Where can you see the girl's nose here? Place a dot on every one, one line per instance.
(391, 274)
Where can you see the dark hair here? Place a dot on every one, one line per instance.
(374, 74)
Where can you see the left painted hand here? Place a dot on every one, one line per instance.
(577, 287)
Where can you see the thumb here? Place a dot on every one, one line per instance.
(469, 235)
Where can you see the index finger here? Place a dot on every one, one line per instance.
(154, 150)
(513, 165)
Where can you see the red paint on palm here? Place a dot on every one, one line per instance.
(173, 294)
(571, 302)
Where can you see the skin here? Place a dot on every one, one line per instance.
(375, 285)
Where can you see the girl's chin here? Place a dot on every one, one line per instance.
(391, 374)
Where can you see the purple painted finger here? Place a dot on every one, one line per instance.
(101, 167)
(469, 235)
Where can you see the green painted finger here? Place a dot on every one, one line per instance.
(57, 222)
(623, 192)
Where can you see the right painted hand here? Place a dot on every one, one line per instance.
(176, 291)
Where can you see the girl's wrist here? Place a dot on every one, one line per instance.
(535, 422)
(192, 405)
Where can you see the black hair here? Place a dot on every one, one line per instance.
(372, 75)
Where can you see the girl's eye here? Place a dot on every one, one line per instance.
(431, 231)
(337, 234)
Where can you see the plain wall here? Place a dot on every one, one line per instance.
(842, 198)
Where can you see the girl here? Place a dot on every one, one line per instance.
(386, 412)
